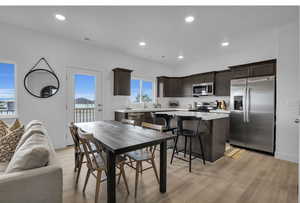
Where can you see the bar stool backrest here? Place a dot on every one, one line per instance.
(181, 119)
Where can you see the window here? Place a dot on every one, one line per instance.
(7, 90)
(141, 91)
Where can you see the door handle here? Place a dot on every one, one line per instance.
(297, 120)
(248, 105)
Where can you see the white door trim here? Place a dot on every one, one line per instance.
(70, 71)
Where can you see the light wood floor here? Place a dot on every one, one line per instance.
(253, 178)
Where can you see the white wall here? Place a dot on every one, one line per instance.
(25, 47)
(281, 44)
(287, 93)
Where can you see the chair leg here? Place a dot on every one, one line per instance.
(80, 160)
(185, 143)
(98, 182)
(86, 179)
(75, 161)
(136, 177)
(202, 149)
(155, 169)
(119, 178)
(190, 161)
(175, 146)
(124, 177)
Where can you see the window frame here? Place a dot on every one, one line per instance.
(16, 91)
(141, 79)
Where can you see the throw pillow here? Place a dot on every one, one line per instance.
(15, 125)
(32, 130)
(34, 153)
(32, 123)
(3, 128)
(8, 144)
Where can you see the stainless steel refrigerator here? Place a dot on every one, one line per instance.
(252, 120)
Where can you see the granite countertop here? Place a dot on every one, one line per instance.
(141, 110)
(204, 115)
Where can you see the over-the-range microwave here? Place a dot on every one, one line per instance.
(203, 89)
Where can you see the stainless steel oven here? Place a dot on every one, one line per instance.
(203, 89)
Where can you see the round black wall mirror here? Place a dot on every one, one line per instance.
(41, 83)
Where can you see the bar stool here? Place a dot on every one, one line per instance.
(188, 134)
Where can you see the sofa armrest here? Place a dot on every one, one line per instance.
(41, 185)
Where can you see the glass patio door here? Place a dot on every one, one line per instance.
(84, 96)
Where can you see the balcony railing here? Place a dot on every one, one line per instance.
(5, 112)
(84, 115)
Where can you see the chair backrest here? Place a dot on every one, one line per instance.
(180, 120)
(152, 126)
(74, 135)
(128, 121)
(88, 141)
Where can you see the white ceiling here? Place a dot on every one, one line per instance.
(162, 28)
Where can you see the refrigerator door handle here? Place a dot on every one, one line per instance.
(245, 106)
(248, 105)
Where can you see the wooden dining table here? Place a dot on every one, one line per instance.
(118, 138)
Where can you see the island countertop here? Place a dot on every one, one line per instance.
(205, 116)
(143, 110)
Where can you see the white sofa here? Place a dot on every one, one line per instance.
(38, 185)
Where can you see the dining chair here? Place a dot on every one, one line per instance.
(146, 155)
(97, 161)
(78, 150)
(128, 121)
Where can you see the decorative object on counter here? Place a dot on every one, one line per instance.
(41, 82)
(221, 104)
(173, 103)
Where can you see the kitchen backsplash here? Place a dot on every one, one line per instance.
(185, 101)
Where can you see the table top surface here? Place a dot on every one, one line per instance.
(121, 138)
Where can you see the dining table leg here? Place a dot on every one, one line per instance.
(111, 177)
(163, 167)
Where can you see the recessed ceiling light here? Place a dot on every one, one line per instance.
(142, 44)
(180, 57)
(189, 19)
(225, 44)
(60, 17)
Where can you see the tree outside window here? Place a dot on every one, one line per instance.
(141, 91)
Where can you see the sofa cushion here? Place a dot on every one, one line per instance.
(3, 128)
(15, 125)
(33, 153)
(8, 144)
(33, 123)
(30, 131)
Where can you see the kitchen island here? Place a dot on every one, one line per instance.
(215, 129)
(142, 114)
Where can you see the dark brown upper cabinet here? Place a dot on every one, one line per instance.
(262, 68)
(222, 83)
(169, 87)
(182, 86)
(122, 79)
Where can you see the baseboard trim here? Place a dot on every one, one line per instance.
(286, 157)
